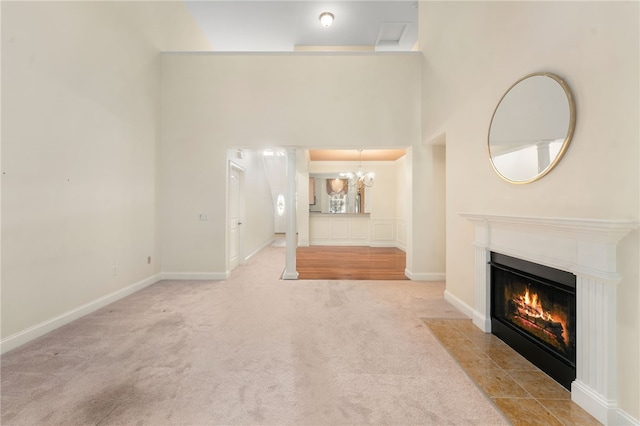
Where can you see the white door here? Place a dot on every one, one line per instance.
(235, 216)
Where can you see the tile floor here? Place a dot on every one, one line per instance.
(525, 394)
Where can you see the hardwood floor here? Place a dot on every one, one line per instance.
(350, 263)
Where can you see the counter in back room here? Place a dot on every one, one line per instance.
(339, 229)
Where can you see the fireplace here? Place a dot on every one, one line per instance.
(533, 310)
(586, 248)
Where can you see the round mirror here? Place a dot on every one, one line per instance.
(531, 128)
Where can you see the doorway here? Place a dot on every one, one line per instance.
(236, 215)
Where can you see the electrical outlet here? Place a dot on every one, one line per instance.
(204, 216)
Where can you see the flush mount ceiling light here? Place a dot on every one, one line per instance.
(326, 19)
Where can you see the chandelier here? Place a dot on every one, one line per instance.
(360, 179)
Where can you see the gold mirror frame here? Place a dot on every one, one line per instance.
(565, 143)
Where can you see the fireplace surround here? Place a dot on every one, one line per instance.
(585, 248)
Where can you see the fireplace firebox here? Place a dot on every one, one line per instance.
(533, 310)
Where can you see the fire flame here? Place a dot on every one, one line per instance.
(535, 306)
(531, 305)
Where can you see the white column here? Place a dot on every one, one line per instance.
(595, 386)
(482, 313)
(544, 156)
(290, 272)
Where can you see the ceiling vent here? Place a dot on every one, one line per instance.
(391, 33)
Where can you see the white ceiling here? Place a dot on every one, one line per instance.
(281, 26)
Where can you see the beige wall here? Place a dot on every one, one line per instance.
(426, 257)
(214, 101)
(473, 52)
(80, 104)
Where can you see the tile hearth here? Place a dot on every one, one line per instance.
(525, 395)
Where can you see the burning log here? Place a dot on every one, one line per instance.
(549, 326)
(530, 311)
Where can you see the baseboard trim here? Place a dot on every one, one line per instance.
(627, 419)
(290, 275)
(196, 276)
(459, 304)
(477, 318)
(262, 247)
(340, 243)
(383, 244)
(425, 276)
(605, 411)
(20, 338)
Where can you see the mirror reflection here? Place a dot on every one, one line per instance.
(531, 128)
(332, 193)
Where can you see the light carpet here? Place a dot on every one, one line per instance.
(252, 349)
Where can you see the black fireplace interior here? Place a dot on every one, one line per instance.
(533, 309)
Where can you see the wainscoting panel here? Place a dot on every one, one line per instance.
(339, 229)
(382, 232)
(358, 230)
(319, 230)
(401, 234)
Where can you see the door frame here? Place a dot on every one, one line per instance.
(234, 167)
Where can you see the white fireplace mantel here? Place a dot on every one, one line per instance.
(586, 248)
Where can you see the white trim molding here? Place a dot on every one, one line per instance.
(401, 234)
(345, 229)
(266, 244)
(382, 232)
(38, 330)
(459, 304)
(586, 248)
(425, 276)
(356, 229)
